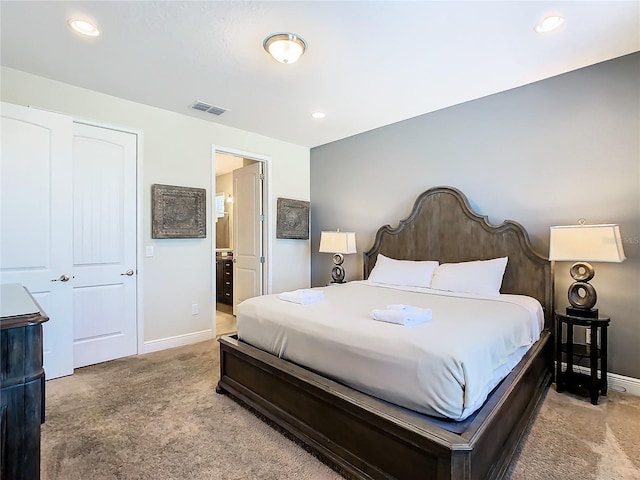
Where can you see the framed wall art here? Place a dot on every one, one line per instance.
(292, 219)
(178, 212)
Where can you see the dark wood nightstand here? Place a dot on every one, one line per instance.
(570, 352)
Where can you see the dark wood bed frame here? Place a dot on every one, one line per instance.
(367, 438)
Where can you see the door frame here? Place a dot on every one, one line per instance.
(267, 226)
(139, 220)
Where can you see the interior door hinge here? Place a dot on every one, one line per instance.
(262, 176)
(261, 218)
(261, 259)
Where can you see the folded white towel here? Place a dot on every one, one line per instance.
(303, 296)
(402, 314)
(399, 306)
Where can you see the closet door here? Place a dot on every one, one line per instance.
(104, 244)
(36, 234)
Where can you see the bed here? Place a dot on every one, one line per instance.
(368, 437)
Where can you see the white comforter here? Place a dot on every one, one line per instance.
(445, 367)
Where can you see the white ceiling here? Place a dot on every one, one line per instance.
(368, 64)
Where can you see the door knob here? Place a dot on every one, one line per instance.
(63, 278)
(128, 273)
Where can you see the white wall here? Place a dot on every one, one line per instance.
(177, 151)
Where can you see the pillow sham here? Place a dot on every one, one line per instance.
(406, 273)
(482, 277)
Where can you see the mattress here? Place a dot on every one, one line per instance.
(445, 367)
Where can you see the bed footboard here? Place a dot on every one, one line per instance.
(370, 439)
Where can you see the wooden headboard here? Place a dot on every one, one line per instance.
(443, 227)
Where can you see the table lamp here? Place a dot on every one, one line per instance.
(585, 243)
(339, 243)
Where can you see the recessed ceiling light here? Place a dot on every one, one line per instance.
(549, 23)
(83, 27)
(318, 115)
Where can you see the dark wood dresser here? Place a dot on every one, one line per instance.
(224, 278)
(21, 383)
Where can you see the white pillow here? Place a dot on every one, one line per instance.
(483, 277)
(406, 273)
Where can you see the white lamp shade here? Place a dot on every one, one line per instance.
(589, 243)
(338, 242)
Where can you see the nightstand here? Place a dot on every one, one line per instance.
(572, 353)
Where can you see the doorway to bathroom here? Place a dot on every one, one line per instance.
(240, 213)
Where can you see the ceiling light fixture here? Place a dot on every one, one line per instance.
(84, 27)
(318, 115)
(549, 23)
(285, 47)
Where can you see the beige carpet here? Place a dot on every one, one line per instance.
(157, 417)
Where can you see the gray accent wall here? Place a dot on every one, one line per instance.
(543, 154)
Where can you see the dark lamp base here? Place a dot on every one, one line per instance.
(582, 312)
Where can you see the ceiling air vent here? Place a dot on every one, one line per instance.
(208, 108)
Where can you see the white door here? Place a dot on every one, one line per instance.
(36, 221)
(247, 233)
(104, 244)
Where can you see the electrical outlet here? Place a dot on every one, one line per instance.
(194, 309)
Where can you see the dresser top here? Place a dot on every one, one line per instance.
(15, 301)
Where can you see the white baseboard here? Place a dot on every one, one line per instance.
(616, 382)
(620, 383)
(177, 341)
